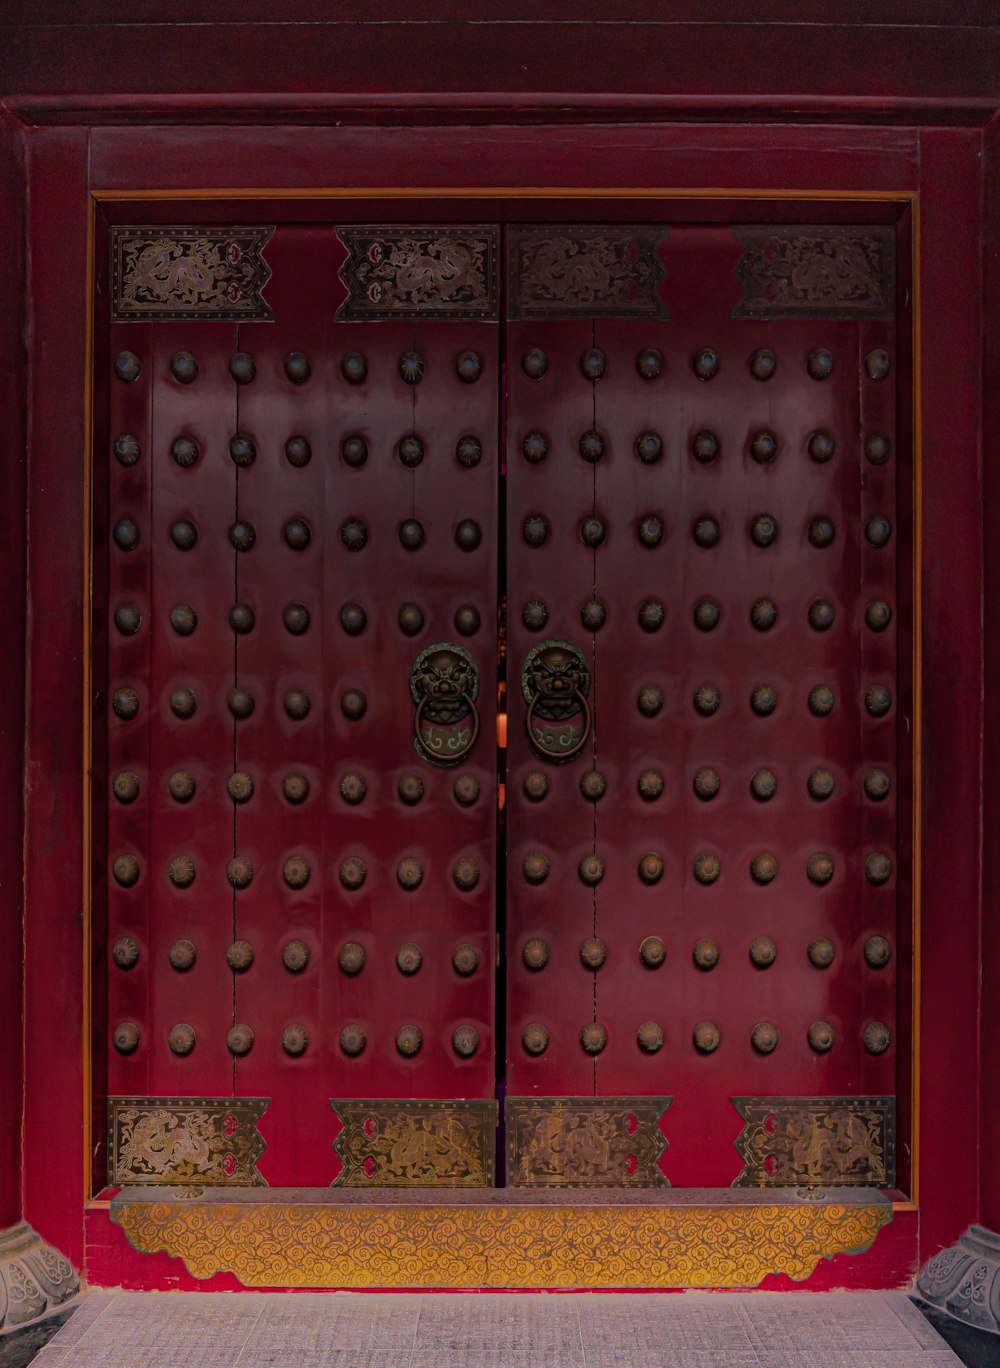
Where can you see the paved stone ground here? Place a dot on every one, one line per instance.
(528, 1330)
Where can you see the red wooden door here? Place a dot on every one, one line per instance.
(702, 902)
(704, 876)
(312, 915)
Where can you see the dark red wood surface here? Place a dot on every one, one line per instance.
(562, 911)
(640, 155)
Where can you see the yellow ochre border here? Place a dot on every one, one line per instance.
(88, 711)
(406, 192)
(585, 193)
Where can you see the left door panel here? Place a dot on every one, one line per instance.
(338, 929)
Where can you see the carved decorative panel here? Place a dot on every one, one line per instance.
(188, 273)
(394, 1143)
(694, 1238)
(180, 1140)
(430, 273)
(585, 1141)
(813, 272)
(821, 1141)
(560, 271)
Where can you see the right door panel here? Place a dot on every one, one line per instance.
(702, 894)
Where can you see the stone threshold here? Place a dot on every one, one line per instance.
(501, 1238)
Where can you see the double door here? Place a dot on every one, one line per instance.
(501, 775)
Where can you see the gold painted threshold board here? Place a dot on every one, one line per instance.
(601, 1238)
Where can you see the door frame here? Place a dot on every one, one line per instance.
(71, 180)
(346, 204)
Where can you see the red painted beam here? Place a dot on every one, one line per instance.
(665, 66)
(53, 1129)
(989, 1129)
(13, 374)
(951, 551)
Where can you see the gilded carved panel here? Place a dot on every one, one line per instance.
(816, 1141)
(183, 1140)
(585, 1141)
(395, 1143)
(431, 272)
(810, 271)
(571, 271)
(189, 273)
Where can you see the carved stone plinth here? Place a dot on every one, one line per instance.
(963, 1281)
(35, 1280)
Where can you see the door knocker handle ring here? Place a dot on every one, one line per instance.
(448, 751)
(535, 737)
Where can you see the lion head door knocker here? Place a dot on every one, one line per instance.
(555, 682)
(444, 684)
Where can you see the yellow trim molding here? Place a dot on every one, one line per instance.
(702, 1240)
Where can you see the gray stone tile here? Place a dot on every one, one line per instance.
(846, 1321)
(854, 1358)
(918, 1326)
(489, 1330)
(23, 1346)
(79, 1319)
(497, 1358)
(669, 1356)
(644, 1323)
(317, 1323)
(149, 1330)
(87, 1309)
(167, 1353)
(533, 1323)
(180, 1305)
(330, 1357)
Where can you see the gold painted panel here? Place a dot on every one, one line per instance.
(473, 1245)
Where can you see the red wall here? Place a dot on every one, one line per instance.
(98, 95)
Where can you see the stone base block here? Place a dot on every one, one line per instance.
(963, 1281)
(35, 1280)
